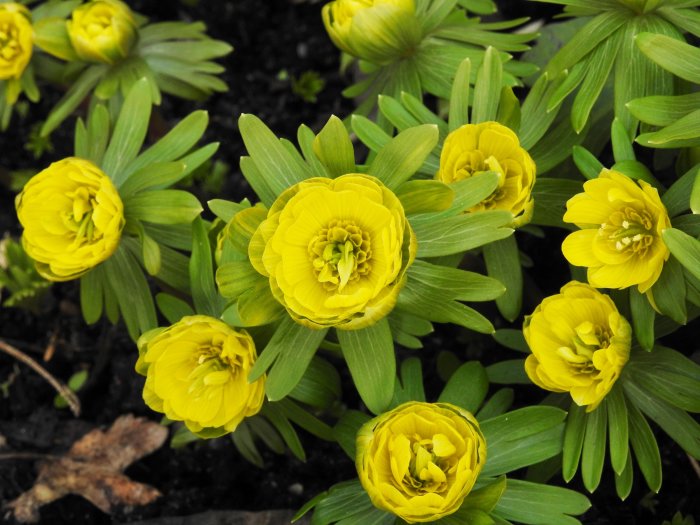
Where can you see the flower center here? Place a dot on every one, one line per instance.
(340, 253)
(79, 219)
(629, 230)
(426, 470)
(211, 368)
(9, 42)
(588, 339)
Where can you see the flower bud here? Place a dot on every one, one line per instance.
(420, 460)
(16, 40)
(72, 217)
(379, 31)
(579, 343)
(102, 31)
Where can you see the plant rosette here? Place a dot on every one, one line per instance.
(106, 214)
(108, 48)
(446, 462)
(416, 46)
(582, 345)
(334, 255)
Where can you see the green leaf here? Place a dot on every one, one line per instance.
(509, 109)
(206, 299)
(487, 89)
(503, 263)
(369, 353)
(510, 371)
(594, 442)
(287, 335)
(459, 99)
(424, 196)
(685, 132)
(333, 148)
(496, 405)
(695, 196)
(467, 387)
(684, 248)
(157, 175)
(621, 143)
(453, 283)
(91, 294)
(485, 498)
(676, 56)
(522, 437)
(345, 430)
(129, 132)
(173, 308)
(461, 233)
(275, 413)
(527, 502)
(676, 197)
(273, 161)
(131, 290)
(371, 135)
(617, 429)
(342, 502)
(422, 114)
(642, 319)
(176, 143)
(645, 448)
(669, 291)
(663, 110)
(235, 278)
(511, 338)
(319, 386)
(225, 210)
(98, 133)
(623, 482)
(243, 440)
(550, 200)
(574, 433)
(682, 428)
(396, 162)
(396, 113)
(162, 207)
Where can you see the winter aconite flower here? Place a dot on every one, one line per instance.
(420, 460)
(16, 40)
(196, 371)
(102, 31)
(335, 251)
(579, 343)
(379, 31)
(72, 217)
(620, 240)
(490, 146)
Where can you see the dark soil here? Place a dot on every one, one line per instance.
(269, 36)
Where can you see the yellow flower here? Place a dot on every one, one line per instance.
(380, 31)
(335, 251)
(72, 217)
(16, 40)
(196, 371)
(620, 242)
(102, 31)
(420, 460)
(491, 146)
(579, 343)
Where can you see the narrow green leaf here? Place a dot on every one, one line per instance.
(623, 482)
(345, 430)
(274, 162)
(129, 132)
(589, 166)
(91, 295)
(172, 307)
(333, 148)
(459, 100)
(573, 440)
(206, 299)
(685, 132)
(676, 197)
(424, 196)
(669, 291)
(645, 448)
(621, 143)
(695, 195)
(370, 356)
(156, 175)
(487, 89)
(396, 114)
(663, 110)
(674, 55)
(453, 283)
(467, 387)
(291, 363)
(510, 371)
(617, 429)
(162, 207)
(404, 155)
(496, 405)
(503, 263)
(527, 502)
(371, 135)
(642, 319)
(684, 248)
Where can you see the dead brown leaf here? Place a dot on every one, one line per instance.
(93, 467)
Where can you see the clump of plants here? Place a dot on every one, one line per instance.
(417, 209)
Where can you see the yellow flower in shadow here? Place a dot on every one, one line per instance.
(102, 31)
(197, 372)
(420, 460)
(335, 251)
(379, 31)
(72, 217)
(16, 40)
(579, 343)
(620, 241)
(490, 146)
